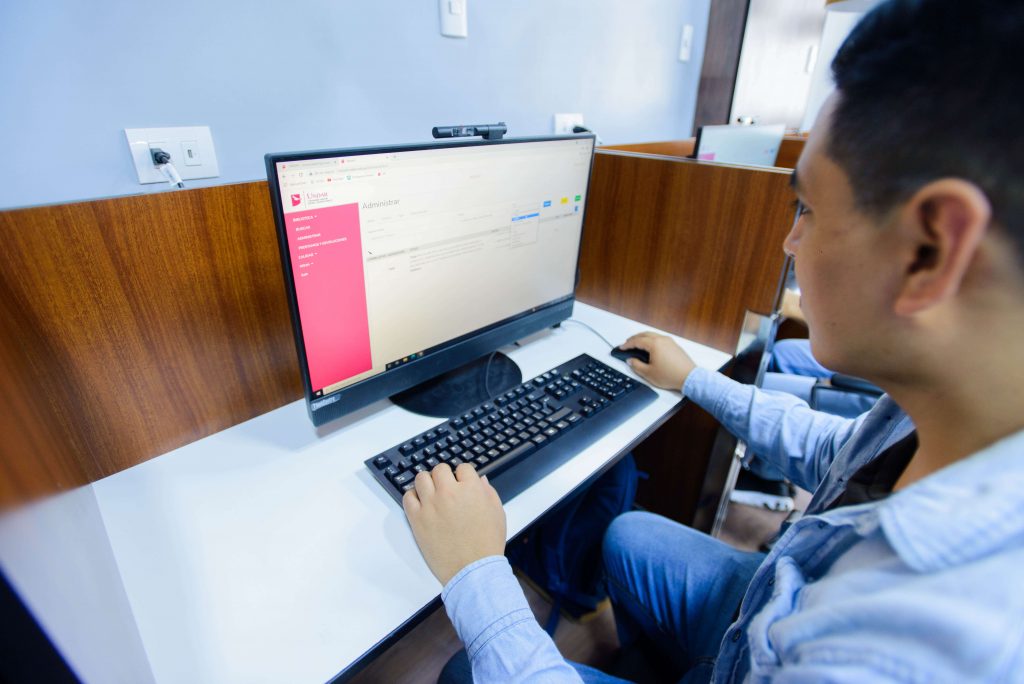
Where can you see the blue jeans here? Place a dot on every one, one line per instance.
(670, 584)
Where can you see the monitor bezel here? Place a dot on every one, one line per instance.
(441, 358)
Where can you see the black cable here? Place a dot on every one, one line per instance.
(573, 320)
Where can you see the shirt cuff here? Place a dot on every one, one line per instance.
(483, 600)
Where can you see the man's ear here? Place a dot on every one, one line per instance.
(942, 226)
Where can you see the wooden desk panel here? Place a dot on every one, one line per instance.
(684, 245)
(137, 325)
(670, 148)
(789, 151)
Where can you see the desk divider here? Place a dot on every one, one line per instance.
(133, 326)
(688, 247)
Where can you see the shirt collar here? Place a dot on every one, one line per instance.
(963, 512)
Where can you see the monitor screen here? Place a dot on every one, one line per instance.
(393, 256)
(749, 145)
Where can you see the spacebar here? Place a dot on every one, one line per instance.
(508, 460)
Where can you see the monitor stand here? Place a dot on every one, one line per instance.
(461, 389)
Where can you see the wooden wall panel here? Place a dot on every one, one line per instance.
(684, 245)
(137, 325)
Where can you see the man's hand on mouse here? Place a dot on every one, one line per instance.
(456, 518)
(669, 365)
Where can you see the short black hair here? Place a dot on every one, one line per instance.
(931, 89)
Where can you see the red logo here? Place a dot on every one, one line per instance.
(296, 199)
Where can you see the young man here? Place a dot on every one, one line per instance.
(910, 255)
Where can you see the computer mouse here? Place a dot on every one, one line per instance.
(626, 354)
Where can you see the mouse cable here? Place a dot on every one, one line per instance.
(573, 320)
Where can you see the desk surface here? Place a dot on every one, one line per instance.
(267, 553)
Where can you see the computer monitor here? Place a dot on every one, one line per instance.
(750, 145)
(404, 263)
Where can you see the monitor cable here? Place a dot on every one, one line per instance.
(162, 161)
(573, 320)
(487, 374)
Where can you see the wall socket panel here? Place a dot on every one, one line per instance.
(190, 147)
(564, 123)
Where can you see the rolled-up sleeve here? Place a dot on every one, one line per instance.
(502, 638)
(778, 427)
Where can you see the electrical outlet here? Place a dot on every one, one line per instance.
(564, 123)
(190, 147)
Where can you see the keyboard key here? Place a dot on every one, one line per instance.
(559, 415)
(431, 462)
(402, 478)
(381, 462)
(520, 451)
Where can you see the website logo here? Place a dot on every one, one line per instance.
(296, 199)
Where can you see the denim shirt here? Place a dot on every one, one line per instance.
(918, 587)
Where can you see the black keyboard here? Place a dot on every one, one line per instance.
(523, 434)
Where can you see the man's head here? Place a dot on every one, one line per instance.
(913, 185)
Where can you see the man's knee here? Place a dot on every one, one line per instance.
(621, 537)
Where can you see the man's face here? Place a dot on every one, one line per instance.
(844, 274)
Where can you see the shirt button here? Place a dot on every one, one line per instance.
(771, 581)
(735, 636)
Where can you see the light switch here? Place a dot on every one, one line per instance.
(686, 43)
(454, 18)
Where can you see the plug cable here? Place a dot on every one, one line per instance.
(162, 161)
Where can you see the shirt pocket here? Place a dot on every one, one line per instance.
(789, 580)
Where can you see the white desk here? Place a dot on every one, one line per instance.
(267, 553)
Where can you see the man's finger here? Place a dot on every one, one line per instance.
(424, 485)
(632, 341)
(487, 485)
(442, 476)
(465, 473)
(411, 503)
(640, 368)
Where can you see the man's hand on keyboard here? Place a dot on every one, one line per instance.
(456, 518)
(669, 365)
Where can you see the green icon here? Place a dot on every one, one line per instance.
(578, 197)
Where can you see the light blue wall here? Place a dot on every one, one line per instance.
(280, 76)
